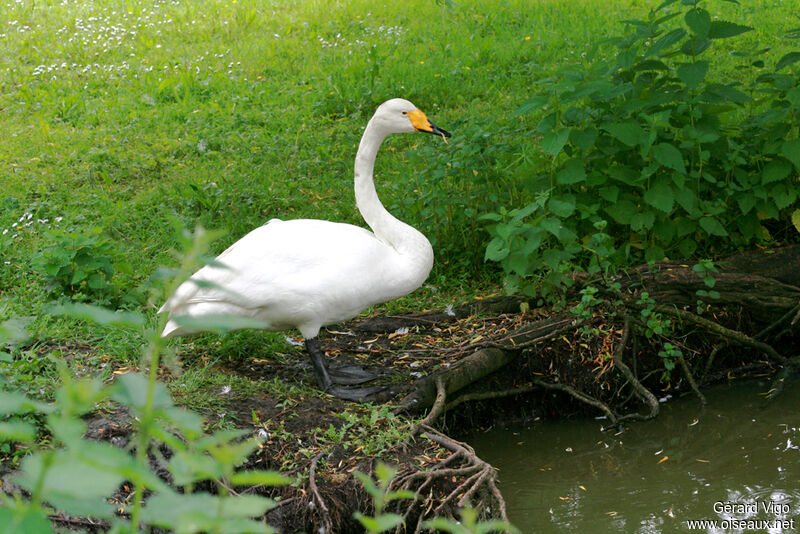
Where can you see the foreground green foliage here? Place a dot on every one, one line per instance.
(655, 151)
(75, 475)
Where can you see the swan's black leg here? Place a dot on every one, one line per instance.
(324, 377)
(318, 361)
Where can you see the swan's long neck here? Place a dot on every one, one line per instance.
(403, 238)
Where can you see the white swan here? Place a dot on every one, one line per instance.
(308, 273)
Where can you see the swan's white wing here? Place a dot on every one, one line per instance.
(296, 274)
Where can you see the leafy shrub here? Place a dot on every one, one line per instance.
(457, 183)
(82, 265)
(652, 157)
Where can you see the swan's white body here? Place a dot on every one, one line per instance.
(309, 273)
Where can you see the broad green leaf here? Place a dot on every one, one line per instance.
(746, 202)
(188, 467)
(552, 225)
(562, 208)
(518, 214)
(660, 196)
(201, 512)
(98, 314)
(260, 478)
(713, 227)
(791, 150)
(665, 230)
(629, 132)
(796, 219)
(70, 483)
(12, 402)
(553, 142)
(532, 104)
(583, 138)
(667, 155)
(17, 431)
(622, 211)
(24, 520)
(717, 93)
(382, 523)
(782, 196)
(650, 64)
(687, 247)
(497, 250)
(722, 29)
(547, 124)
(767, 208)
(609, 193)
(218, 323)
(694, 46)
(749, 225)
(665, 3)
(188, 422)
(385, 473)
(571, 172)
(699, 21)
(14, 331)
(793, 96)
(775, 170)
(654, 253)
(686, 226)
(131, 390)
(786, 60)
(693, 73)
(666, 41)
(687, 199)
(643, 221)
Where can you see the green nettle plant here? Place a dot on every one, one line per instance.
(82, 265)
(647, 144)
(69, 473)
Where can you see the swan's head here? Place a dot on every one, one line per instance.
(400, 116)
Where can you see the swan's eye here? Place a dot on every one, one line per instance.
(405, 113)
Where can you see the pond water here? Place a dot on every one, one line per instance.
(736, 462)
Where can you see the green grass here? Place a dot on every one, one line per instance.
(136, 116)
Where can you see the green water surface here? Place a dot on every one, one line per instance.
(736, 462)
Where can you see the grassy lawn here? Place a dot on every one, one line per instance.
(141, 118)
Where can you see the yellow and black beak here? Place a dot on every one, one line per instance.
(421, 124)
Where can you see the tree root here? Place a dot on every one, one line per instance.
(321, 506)
(642, 391)
(691, 380)
(583, 397)
(485, 395)
(477, 486)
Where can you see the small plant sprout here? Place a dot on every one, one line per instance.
(381, 496)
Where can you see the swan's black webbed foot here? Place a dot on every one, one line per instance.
(349, 375)
(354, 394)
(344, 375)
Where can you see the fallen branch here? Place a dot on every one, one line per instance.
(390, 323)
(484, 362)
(717, 328)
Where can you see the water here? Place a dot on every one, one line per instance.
(735, 459)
